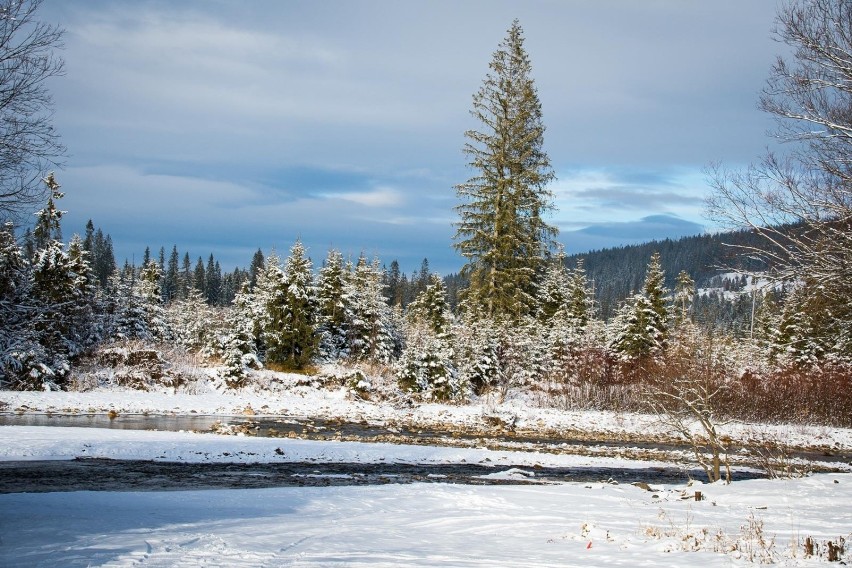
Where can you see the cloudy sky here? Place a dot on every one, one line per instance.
(224, 126)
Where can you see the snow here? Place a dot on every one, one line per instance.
(288, 395)
(19, 443)
(417, 524)
(573, 524)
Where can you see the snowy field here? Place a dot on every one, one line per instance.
(572, 524)
(418, 524)
(429, 525)
(281, 394)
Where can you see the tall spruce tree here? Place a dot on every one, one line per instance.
(501, 231)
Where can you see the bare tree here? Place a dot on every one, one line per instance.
(687, 394)
(801, 202)
(29, 145)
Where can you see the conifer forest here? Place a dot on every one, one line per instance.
(679, 395)
(762, 312)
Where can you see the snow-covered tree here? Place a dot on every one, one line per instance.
(371, 333)
(427, 360)
(580, 305)
(476, 350)
(635, 332)
(192, 321)
(430, 307)
(300, 335)
(554, 289)
(426, 364)
(333, 307)
(641, 325)
(269, 311)
(22, 358)
(684, 295)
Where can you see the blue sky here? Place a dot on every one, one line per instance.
(227, 126)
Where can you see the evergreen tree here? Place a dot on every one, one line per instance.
(371, 333)
(333, 306)
(553, 291)
(641, 325)
(148, 289)
(422, 279)
(656, 292)
(212, 281)
(301, 316)
(269, 310)
(580, 305)
(103, 261)
(89, 240)
(394, 285)
(239, 348)
(427, 360)
(501, 231)
(48, 227)
(191, 321)
(684, 295)
(171, 282)
(430, 308)
(199, 279)
(186, 277)
(257, 265)
(22, 358)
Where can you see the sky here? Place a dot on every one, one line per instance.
(223, 127)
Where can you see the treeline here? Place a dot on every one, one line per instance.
(617, 272)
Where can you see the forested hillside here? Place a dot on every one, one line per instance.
(617, 272)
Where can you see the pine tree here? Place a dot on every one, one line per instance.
(371, 333)
(427, 361)
(22, 358)
(430, 308)
(501, 232)
(553, 291)
(333, 306)
(89, 240)
(212, 281)
(171, 281)
(394, 285)
(186, 277)
(641, 325)
(191, 321)
(148, 289)
(269, 310)
(656, 292)
(199, 280)
(48, 227)
(580, 306)
(257, 265)
(301, 316)
(684, 295)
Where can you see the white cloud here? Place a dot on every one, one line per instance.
(378, 197)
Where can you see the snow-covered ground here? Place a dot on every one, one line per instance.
(573, 524)
(288, 395)
(419, 524)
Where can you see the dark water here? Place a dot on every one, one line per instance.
(118, 475)
(131, 475)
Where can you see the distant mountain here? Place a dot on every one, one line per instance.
(622, 233)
